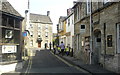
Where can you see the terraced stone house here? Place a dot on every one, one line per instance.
(105, 22)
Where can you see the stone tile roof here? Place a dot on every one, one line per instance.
(40, 18)
(62, 18)
(7, 7)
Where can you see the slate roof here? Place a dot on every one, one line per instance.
(40, 18)
(7, 8)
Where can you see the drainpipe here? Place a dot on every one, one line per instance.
(91, 46)
(104, 43)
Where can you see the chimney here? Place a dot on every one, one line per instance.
(48, 13)
(74, 2)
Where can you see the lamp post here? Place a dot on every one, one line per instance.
(57, 34)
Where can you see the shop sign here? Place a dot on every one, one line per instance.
(9, 48)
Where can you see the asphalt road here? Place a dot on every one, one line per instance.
(43, 62)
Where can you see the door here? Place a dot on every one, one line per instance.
(97, 46)
(39, 44)
(118, 38)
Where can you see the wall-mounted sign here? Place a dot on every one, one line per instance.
(9, 48)
(8, 34)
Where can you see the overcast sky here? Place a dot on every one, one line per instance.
(57, 8)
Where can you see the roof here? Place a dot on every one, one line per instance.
(7, 8)
(40, 18)
(77, 3)
(62, 18)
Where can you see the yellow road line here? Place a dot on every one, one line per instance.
(29, 66)
(63, 60)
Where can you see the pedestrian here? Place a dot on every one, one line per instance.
(67, 50)
(45, 45)
(59, 50)
(62, 46)
(50, 45)
(54, 48)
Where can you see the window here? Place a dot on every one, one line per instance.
(8, 34)
(31, 43)
(46, 26)
(31, 26)
(88, 6)
(78, 12)
(82, 28)
(39, 32)
(31, 33)
(39, 27)
(109, 40)
(46, 34)
(38, 35)
(69, 22)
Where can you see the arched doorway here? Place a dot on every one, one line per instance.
(97, 46)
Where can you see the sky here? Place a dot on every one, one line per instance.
(57, 8)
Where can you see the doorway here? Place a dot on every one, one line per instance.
(97, 46)
(118, 38)
(39, 44)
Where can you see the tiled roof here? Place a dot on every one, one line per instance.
(7, 7)
(40, 18)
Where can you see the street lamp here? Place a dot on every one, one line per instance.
(57, 34)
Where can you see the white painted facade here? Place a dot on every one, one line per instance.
(70, 31)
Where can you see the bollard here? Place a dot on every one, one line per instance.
(71, 53)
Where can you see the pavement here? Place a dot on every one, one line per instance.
(12, 67)
(93, 69)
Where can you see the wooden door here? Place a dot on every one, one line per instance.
(39, 44)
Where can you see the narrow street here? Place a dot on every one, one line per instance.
(44, 62)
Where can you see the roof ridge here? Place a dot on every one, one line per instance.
(7, 7)
(38, 14)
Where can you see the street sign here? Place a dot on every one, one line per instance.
(24, 34)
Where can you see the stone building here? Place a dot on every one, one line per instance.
(62, 29)
(40, 31)
(10, 33)
(105, 33)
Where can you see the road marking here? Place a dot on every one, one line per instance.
(78, 68)
(29, 66)
(63, 60)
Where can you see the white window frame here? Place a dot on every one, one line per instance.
(78, 12)
(88, 7)
(46, 34)
(82, 30)
(31, 43)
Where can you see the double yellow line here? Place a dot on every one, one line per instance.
(29, 66)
